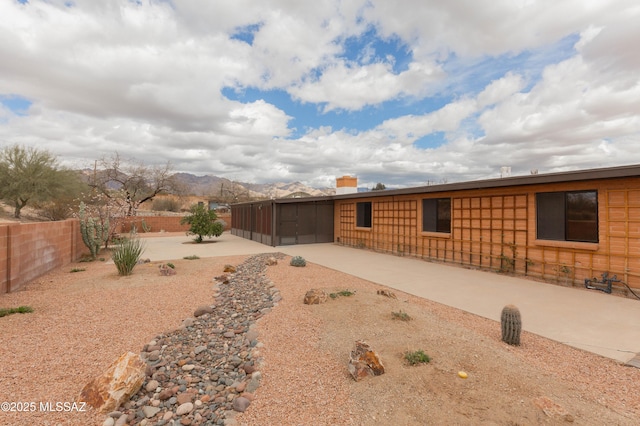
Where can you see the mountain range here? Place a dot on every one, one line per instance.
(225, 189)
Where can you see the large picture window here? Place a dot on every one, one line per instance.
(567, 216)
(436, 215)
(363, 214)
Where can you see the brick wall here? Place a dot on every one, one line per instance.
(162, 223)
(29, 250)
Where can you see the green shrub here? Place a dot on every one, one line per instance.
(416, 357)
(127, 254)
(345, 293)
(171, 265)
(298, 261)
(192, 257)
(202, 223)
(78, 270)
(402, 316)
(19, 310)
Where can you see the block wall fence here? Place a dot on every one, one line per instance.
(162, 223)
(30, 250)
(495, 229)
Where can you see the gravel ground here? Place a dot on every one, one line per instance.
(83, 321)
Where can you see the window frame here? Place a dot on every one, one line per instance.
(554, 211)
(364, 214)
(431, 215)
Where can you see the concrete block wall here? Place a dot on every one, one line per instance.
(29, 250)
(162, 223)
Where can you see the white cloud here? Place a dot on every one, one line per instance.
(352, 87)
(146, 80)
(257, 119)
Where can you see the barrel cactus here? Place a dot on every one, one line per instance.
(298, 261)
(511, 323)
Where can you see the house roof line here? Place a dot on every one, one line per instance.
(533, 179)
(542, 178)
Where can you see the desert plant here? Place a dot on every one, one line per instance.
(78, 270)
(511, 324)
(192, 257)
(298, 261)
(94, 233)
(345, 293)
(202, 223)
(127, 254)
(171, 265)
(166, 204)
(145, 226)
(19, 310)
(416, 357)
(400, 315)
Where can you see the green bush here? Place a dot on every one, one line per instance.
(202, 223)
(402, 316)
(19, 310)
(298, 261)
(127, 254)
(417, 357)
(345, 293)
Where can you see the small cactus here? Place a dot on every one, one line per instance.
(298, 261)
(511, 325)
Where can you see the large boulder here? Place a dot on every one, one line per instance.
(364, 362)
(315, 297)
(116, 385)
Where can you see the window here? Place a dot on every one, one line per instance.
(567, 216)
(363, 214)
(436, 215)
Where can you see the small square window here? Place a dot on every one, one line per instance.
(363, 214)
(436, 215)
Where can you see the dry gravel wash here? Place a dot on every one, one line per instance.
(85, 320)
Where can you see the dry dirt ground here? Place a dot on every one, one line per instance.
(84, 320)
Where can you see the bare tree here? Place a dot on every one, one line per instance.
(233, 192)
(132, 183)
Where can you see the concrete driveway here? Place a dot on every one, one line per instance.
(586, 319)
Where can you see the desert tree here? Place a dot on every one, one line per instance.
(202, 223)
(31, 175)
(131, 183)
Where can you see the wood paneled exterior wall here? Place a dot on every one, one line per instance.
(494, 228)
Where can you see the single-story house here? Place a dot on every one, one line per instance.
(561, 227)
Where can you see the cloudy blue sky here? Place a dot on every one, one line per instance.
(403, 92)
